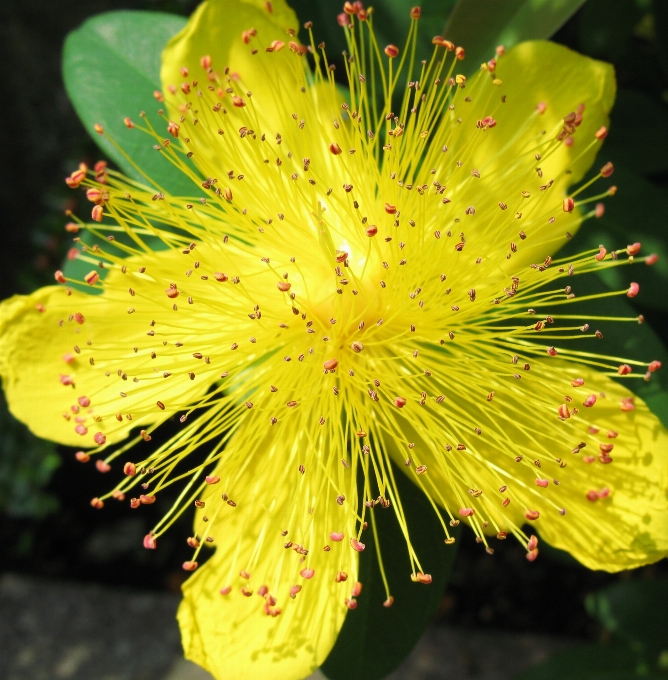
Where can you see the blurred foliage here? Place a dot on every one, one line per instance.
(634, 616)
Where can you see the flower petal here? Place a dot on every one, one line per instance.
(225, 628)
(597, 477)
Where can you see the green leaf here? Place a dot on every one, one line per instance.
(587, 662)
(638, 138)
(638, 212)
(374, 639)
(480, 27)
(636, 611)
(111, 67)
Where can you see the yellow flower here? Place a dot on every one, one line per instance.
(358, 285)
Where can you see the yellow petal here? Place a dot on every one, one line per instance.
(88, 361)
(530, 74)
(233, 633)
(616, 511)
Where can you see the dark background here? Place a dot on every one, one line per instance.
(46, 525)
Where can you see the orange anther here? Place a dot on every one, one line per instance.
(589, 401)
(600, 210)
(150, 542)
(371, 231)
(97, 503)
(415, 12)
(532, 514)
(60, 277)
(277, 45)
(82, 456)
(128, 122)
(210, 479)
(98, 128)
(335, 148)
(173, 128)
(633, 249)
(466, 512)
(390, 209)
(146, 499)
(654, 366)
(307, 573)
(92, 278)
(341, 576)
(459, 53)
(330, 364)
(205, 62)
(356, 545)
(633, 290)
(624, 369)
(400, 402)
(172, 293)
(652, 259)
(607, 170)
(389, 602)
(130, 469)
(392, 51)
(238, 102)
(564, 412)
(102, 466)
(191, 566)
(568, 204)
(578, 382)
(602, 252)
(97, 213)
(601, 133)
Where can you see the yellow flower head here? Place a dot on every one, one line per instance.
(360, 286)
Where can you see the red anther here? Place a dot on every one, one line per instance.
(357, 589)
(98, 128)
(184, 71)
(134, 503)
(66, 380)
(612, 434)
(541, 482)
(130, 469)
(118, 495)
(92, 278)
(82, 456)
(295, 47)
(97, 196)
(263, 590)
(246, 592)
(220, 277)
(532, 543)
(97, 213)
(99, 438)
(244, 574)
(491, 65)
(185, 88)
(626, 404)
(540, 108)
(102, 466)
(654, 366)
(532, 555)
(146, 500)
(578, 382)
(143, 434)
(189, 565)
(60, 277)
(552, 351)
(72, 227)
(589, 401)
(336, 536)
(205, 62)
(421, 469)
(602, 252)
(601, 133)
(210, 479)
(624, 369)
(373, 230)
(389, 602)
(633, 290)
(351, 604)
(150, 542)
(341, 256)
(84, 402)
(192, 541)
(357, 545)
(607, 170)
(343, 19)
(246, 36)
(294, 590)
(605, 459)
(238, 102)
(606, 448)
(173, 128)
(600, 210)
(652, 259)
(415, 12)
(335, 148)
(500, 50)
(307, 573)
(568, 204)
(437, 40)
(75, 179)
(505, 502)
(226, 590)
(283, 286)
(172, 293)
(532, 514)
(349, 8)
(97, 503)
(466, 512)
(158, 95)
(568, 141)
(277, 45)
(341, 576)
(592, 495)
(330, 364)
(604, 492)
(400, 402)
(72, 254)
(633, 249)
(392, 51)
(459, 53)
